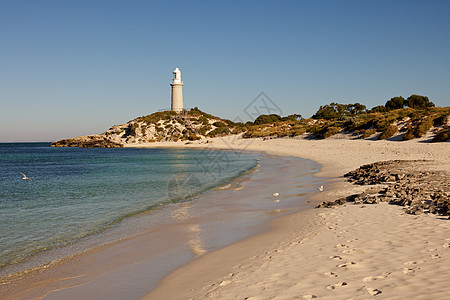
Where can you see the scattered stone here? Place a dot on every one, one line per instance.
(406, 184)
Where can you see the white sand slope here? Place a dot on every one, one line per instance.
(359, 253)
(351, 252)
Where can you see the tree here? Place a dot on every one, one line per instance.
(379, 108)
(336, 111)
(395, 103)
(294, 117)
(356, 109)
(418, 101)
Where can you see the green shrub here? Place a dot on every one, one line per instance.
(202, 130)
(193, 137)
(424, 126)
(442, 136)
(219, 124)
(267, 119)
(439, 121)
(328, 131)
(408, 135)
(219, 131)
(368, 133)
(299, 131)
(204, 120)
(389, 132)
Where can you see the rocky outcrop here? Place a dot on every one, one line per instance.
(90, 141)
(163, 126)
(407, 183)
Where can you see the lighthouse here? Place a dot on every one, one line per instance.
(177, 91)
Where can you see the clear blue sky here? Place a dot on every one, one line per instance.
(70, 68)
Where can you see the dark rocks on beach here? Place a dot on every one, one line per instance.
(92, 141)
(407, 183)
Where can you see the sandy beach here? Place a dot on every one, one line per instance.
(344, 252)
(347, 252)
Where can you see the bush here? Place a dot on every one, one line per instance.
(267, 119)
(299, 132)
(379, 108)
(408, 135)
(193, 137)
(219, 124)
(368, 133)
(419, 128)
(389, 132)
(219, 131)
(441, 136)
(202, 130)
(328, 131)
(204, 120)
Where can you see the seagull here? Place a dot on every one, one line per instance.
(276, 194)
(25, 177)
(320, 188)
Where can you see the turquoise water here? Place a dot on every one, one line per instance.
(74, 193)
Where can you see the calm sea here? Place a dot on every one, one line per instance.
(74, 193)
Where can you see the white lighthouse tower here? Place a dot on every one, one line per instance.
(177, 91)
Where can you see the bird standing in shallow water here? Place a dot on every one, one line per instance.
(25, 177)
(320, 188)
(275, 194)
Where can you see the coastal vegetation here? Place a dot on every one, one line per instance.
(399, 119)
(408, 118)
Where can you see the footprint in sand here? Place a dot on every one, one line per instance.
(352, 240)
(335, 257)
(347, 251)
(341, 246)
(446, 245)
(407, 271)
(412, 262)
(330, 274)
(225, 283)
(435, 256)
(309, 296)
(339, 284)
(346, 265)
(373, 291)
(373, 278)
(428, 250)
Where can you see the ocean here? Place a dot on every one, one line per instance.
(75, 193)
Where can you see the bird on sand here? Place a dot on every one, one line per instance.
(276, 194)
(320, 188)
(25, 177)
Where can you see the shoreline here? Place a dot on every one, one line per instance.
(297, 229)
(270, 278)
(233, 209)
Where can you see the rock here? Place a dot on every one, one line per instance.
(90, 141)
(412, 186)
